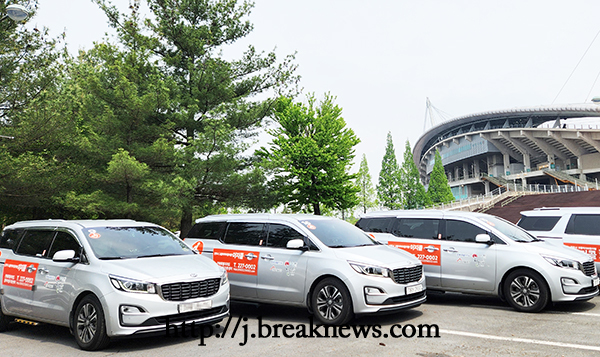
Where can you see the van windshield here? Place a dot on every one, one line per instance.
(510, 230)
(336, 233)
(133, 242)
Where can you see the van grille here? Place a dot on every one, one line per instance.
(588, 268)
(190, 290)
(408, 275)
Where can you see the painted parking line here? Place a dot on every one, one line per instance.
(522, 340)
(585, 314)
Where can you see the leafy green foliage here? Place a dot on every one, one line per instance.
(366, 195)
(439, 190)
(388, 190)
(310, 156)
(413, 191)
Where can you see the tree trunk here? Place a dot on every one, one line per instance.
(317, 209)
(186, 222)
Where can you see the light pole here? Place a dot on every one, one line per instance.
(16, 12)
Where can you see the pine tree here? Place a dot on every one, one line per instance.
(366, 195)
(413, 191)
(388, 189)
(439, 190)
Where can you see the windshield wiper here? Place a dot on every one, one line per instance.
(113, 258)
(156, 255)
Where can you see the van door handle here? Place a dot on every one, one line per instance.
(43, 271)
(451, 250)
(267, 257)
(250, 256)
(431, 248)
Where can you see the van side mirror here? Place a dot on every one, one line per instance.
(484, 238)
(296, 244)
(65, 256)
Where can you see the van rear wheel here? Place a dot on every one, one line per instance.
(526, 291)
(4, 321)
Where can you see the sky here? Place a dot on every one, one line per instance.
(382, 59)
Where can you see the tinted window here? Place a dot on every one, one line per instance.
(64, 241)
(507, 228)
(9, 238)
(585, 224)
(417, 228)
(207, 230)
(280, 234)
(35, 243)
(375, 225)
(462, 231)
(244, 234)
(534, 223)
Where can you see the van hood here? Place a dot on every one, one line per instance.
(556, 250)
(381, 255)
(160, 270)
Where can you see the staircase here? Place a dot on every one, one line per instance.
(564, 177)
(498, 181)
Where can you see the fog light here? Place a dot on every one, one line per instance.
(132, 315)
(568, 281)
(373, 291)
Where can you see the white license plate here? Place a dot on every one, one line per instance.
(596, 281)
(414, 289)
(195, 306)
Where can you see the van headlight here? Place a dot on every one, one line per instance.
(224, 278)
(370, 270)
(132, 286)
(562, 263)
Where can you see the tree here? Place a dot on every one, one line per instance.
(388, 189)
(413, 191)
(213, 112)
(439, 190)
(311, 154)
(366, 195)
(33, 123)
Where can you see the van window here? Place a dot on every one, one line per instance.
(9, 238)
(208, 230)
(35, 243)
(462, 231)
(584, 224)
(244, 233)
(417, 228)
(536, 223)
(375, 225)
(64, 241)
(280, 234)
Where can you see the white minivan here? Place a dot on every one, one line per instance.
(576, 227)
(483, 254)
(319, 262)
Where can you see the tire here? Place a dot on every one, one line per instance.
(331, 302)
(4, 321)
(89, 325)
(526, 291)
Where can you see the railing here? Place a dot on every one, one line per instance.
(512, 190)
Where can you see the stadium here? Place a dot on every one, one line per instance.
(554, 145)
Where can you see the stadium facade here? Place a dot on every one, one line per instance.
(555, 144)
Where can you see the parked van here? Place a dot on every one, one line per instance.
(483, 254)
(577, 227)
(323, 263)
(106, 278)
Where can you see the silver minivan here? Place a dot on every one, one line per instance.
(323, 263)
(106, 278)
(483, 254)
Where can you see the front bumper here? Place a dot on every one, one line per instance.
(132, 314)
(574, 286)
(375, 294)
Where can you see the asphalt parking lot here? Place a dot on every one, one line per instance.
(468, 326)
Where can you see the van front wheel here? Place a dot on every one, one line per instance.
(526, 291)
(331, 302)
